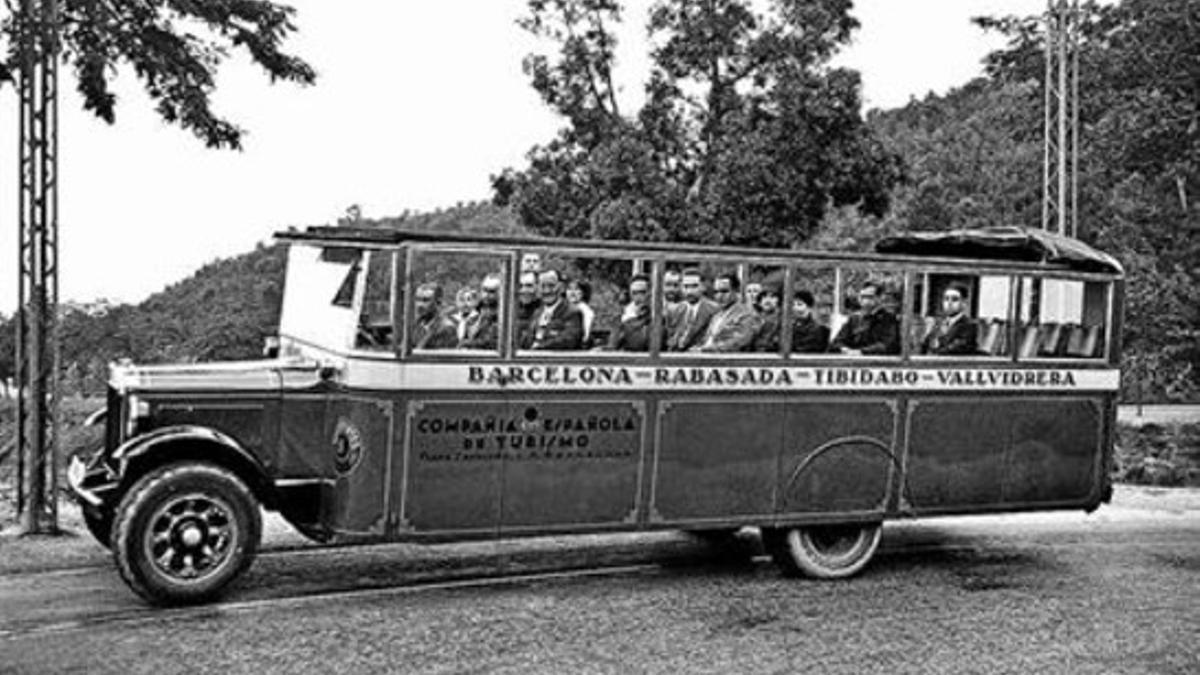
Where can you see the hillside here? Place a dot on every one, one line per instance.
(222, 312)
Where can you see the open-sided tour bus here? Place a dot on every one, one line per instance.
(434, 387)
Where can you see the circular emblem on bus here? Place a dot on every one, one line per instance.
(347, 446)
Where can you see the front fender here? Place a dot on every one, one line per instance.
(160, 446)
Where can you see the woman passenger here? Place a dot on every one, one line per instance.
(767, 338)
(579, 294)
(808, 336)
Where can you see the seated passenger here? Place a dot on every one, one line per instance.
(432, 330)
(873, 329)
(579, 294)
(686, 324)
(953, 333)
(753, 295)
(767, 338)
(466, 309)
(733, 327)
(483, 330)
(556, 324)
(808, 336)
(633, 335)
(527, 305)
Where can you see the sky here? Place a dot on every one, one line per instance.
(416, 105)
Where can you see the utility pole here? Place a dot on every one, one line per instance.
(38, 429)
(1060, 177)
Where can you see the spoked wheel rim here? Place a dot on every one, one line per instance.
(191, 537)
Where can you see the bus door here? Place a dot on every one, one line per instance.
(359, 429)
(360, 420)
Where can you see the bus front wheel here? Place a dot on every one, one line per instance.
(823, 551)
(184, 531)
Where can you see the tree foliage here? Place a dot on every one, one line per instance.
(174, 47)
(975, 159)
(746, 135)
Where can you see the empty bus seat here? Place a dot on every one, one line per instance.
(1084, 341)
(993, 337)
(1029, 341)
(1050, 339)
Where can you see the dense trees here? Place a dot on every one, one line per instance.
(746, 134)
(974, 157)
(174, 47)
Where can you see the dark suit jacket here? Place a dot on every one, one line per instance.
(952, 337)
(767, 338)
(437, 333)
(563, 328)
(874, 333)
(809, 337)
(633, 335)
(687, 335)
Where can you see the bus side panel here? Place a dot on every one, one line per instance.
(838, 456)
(717, 459)
(955, 453)
(451, 477)
(572, 464)
(1055, 455)
(360, 433)
(968, 455)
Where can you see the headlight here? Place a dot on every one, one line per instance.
(137, 411)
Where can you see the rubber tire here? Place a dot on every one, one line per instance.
(100, 527)
(140, 503)
(803, 551)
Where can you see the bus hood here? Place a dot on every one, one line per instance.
(273, 374)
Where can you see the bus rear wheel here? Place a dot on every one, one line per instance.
(823, 551)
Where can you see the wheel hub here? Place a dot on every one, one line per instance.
(189, 537)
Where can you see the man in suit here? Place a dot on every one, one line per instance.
(693, 315)
(733, 327)
(954, 333)
(432, 330)
(556, 325)
(808, 336)
(672, 299)
(633, 335)
(528, 304)
(873, 330)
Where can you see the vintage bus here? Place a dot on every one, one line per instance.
(434, 387)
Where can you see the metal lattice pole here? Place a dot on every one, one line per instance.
(1060, 160)
(38, 430)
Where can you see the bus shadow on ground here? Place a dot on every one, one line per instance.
(971, 562)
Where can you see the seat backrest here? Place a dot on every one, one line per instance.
(1050, 339)
(1091, 342)
(1029, 341)
(990, 335)
(1075, 342)
(1001, 346)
